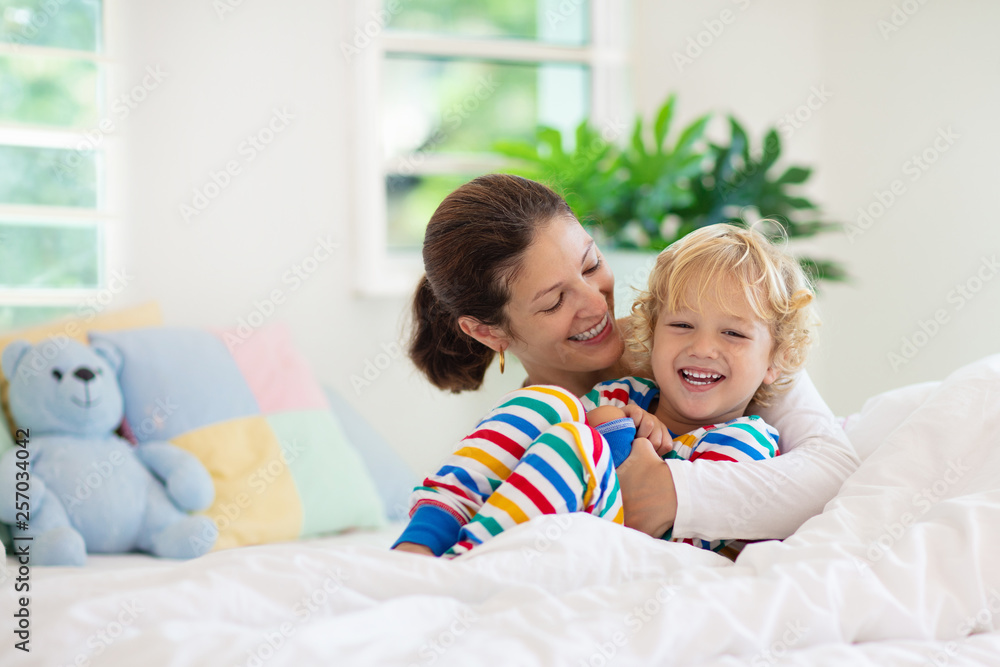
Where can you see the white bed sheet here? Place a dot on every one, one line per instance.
(901, 568)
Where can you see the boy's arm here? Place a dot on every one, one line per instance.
(448, 499)
(445, 502)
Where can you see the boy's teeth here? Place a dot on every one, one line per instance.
(590, 333)
(695, 377)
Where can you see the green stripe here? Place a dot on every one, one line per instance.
(593, 396)
(490, 524)
(611, 497)
(757, 435)
(541, 407)
(649, 383)
(567, 453)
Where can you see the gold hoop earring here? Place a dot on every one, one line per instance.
(501, 361)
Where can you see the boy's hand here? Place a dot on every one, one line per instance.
(649, 427)
(413, 548)
(604, 414)
(648, 493)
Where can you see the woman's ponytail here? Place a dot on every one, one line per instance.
(440, 350)
(473, 248)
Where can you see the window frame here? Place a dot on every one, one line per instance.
(379, 271)
(70, 138)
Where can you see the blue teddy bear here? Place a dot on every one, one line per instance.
(90, 490)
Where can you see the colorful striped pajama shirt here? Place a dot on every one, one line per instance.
(534, 454)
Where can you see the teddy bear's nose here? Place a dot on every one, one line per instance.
(84, 374)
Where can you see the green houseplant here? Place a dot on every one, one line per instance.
(654, 189)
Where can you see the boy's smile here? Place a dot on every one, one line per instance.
(709, 363)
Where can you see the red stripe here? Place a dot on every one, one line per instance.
(533, 494)
(500, 440)
(439, 504)
(457, 490)
(616, 394)
(711, 456)
(598, 445)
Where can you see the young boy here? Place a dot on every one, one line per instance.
(726, 321)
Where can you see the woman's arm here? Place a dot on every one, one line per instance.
(758, 500)
(769, 499)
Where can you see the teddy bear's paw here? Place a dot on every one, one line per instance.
(59, 546)
(191, 489)
(189, 537)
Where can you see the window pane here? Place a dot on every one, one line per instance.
(466, 106)
(563, 22)
(48, 176)
(48, 91)
(411, 202)
(20, 317)
(67, 24)
(52, 255)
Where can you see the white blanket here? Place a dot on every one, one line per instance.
(902, 567)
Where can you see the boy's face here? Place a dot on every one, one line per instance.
(708, 364)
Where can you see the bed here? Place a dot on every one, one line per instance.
(900, 568)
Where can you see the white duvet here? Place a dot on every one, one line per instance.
(902, 567)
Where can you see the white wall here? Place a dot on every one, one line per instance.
(226, 75)
(889, 92)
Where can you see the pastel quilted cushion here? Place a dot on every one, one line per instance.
(393, 477)
(251, 411)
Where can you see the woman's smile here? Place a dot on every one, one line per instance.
(597, 333)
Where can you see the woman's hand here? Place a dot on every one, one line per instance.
(413, 548)
(649, 427)
(648, 494)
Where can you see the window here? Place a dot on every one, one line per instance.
(52, 160)
(449, 78)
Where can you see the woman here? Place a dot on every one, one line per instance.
(509, 270)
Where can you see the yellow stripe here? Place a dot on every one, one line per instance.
(499, 469)
(687, 439)
(585, 459)
(620, 517)
(508, 506)
(561, 395)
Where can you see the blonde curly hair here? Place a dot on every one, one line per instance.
(709, 259)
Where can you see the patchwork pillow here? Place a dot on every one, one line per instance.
(393, 477)
(251, 411)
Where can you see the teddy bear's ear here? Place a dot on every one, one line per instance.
(12, 355)
(110, 352)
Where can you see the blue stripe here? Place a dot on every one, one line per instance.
(606, 481)
(729, 441)
(554, 478)
(463, 476)
(520, 423)
(640, 397)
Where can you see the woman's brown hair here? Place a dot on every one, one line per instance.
(472, 251)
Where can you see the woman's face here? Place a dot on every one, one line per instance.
(561, 310)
